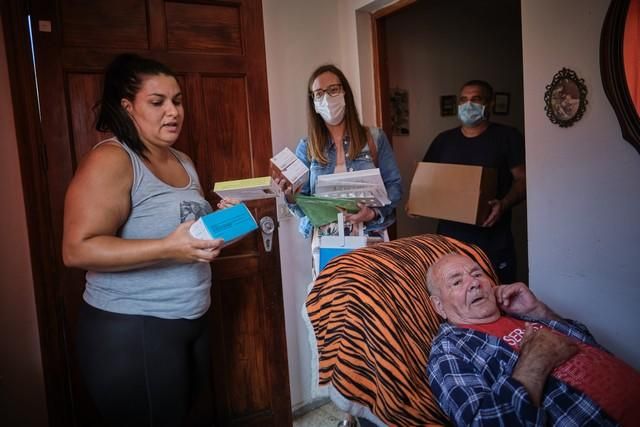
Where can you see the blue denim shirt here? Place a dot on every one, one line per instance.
(388, 170)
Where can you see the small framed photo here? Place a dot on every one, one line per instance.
(501, 103)
(565, 98)
(400, 112)
(448, 105)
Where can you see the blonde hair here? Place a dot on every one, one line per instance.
(318, 131)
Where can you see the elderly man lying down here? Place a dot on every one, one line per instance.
(504, 358)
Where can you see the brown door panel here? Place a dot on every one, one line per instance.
(247, 292)
(206, 28)
(231, 154)
(117, 24)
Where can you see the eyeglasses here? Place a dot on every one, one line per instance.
(331, 90)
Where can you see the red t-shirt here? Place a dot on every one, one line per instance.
(610, 382)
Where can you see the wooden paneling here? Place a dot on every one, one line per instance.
(178, 61)
(252, 391)
(245, 343)
(185, 143)
(119, 24)
(214, 29)
(84, 93)
(227, 124)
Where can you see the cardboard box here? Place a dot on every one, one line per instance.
(455, 192)
(285, 164)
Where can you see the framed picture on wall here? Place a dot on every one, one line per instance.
(448, 105)
(400, 111)
(501, 104)
(565, 98)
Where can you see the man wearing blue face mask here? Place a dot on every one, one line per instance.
(483, 143)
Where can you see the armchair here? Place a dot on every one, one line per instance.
(373, 327)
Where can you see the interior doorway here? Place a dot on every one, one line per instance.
(426, 49)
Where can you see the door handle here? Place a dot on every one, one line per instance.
(267, 227)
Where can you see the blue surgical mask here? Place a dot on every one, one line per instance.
(470, 113)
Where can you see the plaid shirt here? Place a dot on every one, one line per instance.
(470, 375)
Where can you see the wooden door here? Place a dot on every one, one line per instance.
(217, 49)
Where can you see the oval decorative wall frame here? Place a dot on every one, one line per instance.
(565, 98)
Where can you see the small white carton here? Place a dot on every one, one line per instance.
(285, 164)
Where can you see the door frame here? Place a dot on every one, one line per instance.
(381, 74)
(380, 68)
(33, 164)
(383, 118)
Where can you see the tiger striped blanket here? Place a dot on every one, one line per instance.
(373, 325)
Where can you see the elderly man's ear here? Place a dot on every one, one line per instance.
(437, 305)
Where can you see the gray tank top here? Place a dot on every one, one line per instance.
(168, 290)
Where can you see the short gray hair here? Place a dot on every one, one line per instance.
(432, 276)
(431, 279)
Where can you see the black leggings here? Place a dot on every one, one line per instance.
(143, 370)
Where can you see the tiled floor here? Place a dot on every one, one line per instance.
(325, 416)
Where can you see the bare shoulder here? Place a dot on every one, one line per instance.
(103, 183)
(108, 155)
(107, 161)
(98, 197)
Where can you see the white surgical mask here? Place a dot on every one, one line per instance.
(331, 108)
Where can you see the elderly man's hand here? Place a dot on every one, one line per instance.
(541, 350)
(518, 299)
(545, 348)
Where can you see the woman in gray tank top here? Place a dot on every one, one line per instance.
(142, 336)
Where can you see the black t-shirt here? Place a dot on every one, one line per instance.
(499, 147)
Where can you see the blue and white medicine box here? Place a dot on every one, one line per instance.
(329, 253)
(333, 246)
(229, 224)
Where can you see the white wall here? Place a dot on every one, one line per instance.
(583, 183)
(22, 398)
(431, 52)
(299, 36)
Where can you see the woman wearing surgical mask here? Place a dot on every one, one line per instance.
(338, 142)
